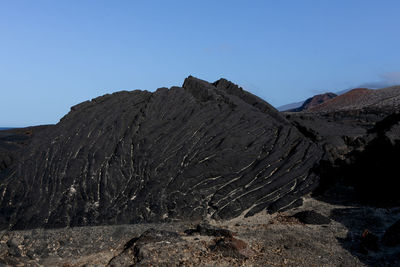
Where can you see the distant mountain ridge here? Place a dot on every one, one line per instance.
(295, 105)
(290, 106)
(362, 98)
(314, 101)
(345, 99)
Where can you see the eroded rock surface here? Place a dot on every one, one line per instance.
(184, 153)
(13, 142)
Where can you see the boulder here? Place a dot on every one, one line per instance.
(311, 217)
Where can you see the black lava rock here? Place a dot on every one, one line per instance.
(369, 241)
(311, 217)
(361, 144)
(392, 235)
(209, 230)
(133, 249)
(13, 249)
(176, 154)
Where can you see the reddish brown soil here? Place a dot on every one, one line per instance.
(352, 97)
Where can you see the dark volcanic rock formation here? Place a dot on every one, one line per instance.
(176, 154)
(360, 133)
(314, 101)
(13, 142)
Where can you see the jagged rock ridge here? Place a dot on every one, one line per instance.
(176, 154)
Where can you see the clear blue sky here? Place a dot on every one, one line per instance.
(55, 54)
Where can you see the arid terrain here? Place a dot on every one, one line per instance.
(264, 240)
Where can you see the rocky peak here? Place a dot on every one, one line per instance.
(204, 150)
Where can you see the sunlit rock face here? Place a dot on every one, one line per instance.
(190, 152)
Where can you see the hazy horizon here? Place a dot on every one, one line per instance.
(57, 54)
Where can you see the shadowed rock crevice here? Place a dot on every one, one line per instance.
(361, 141)
(370, 173)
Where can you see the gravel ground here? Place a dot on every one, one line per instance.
(268, 240)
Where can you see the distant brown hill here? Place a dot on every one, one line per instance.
(314, 101)
(362, 98)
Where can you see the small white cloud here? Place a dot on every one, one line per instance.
(391, 77)
(386, 79)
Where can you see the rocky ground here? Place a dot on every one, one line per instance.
(332, 235)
